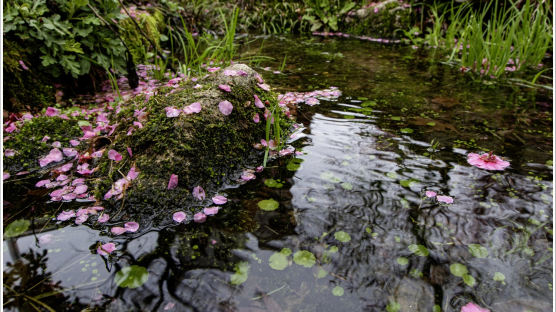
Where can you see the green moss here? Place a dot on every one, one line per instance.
(387, 23)
(27, 142)
(152, 25)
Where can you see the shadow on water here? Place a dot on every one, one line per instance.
(353, 230)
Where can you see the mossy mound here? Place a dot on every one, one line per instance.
(151, 24)
(205, 149)
(383, 19)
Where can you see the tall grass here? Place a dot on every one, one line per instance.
(494, 39)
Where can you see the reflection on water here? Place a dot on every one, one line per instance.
(354, 230)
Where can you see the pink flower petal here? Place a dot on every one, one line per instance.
(192, 109)
(65, 215)
(179, 216)
(259, 169)
(42, 183)
(103, 218)
(199, 193)
(445, 199)
(219, 200)
(23, 65)
(258, 102)
(78, 181)
(173, 183)
(51, 111)
(225, 87)
(199, 217)
(171, 111)
(264, 86)
(54, 156)
(213, 69)
(131, 226)
(312, 101)
(430, 193)
(225, 107)
(105, 249)
(70, 196)
(81, 219)
(471, 307)
(74, 142)
(80, 189)
(129, 152)
(113, 155)
(487, 161)
(256, 118)
(56, 144)
(132, 174)
(9, 152)
(117, 230)
(248, 175)
(211, 211)
(66, 167)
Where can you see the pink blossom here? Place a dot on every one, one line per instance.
(65, 215)
(78, 181)
(42, 183)
(211, 211)
(5, 176)
(179, 216)
(113, 155)
(258, 102)
(199, 217)
(132, 174)
(62, 177)
(66, 167)
(54, 156)
(80, 189)
(193, 108)
(213, 69)
(105, 249)
(173, 183)
(103, 218)
(11, 128)
(171, 111)
(70, 152)
(69, 197)
(129, 152)
(445, 199)
(82, 218)
(487, 161)
(286, 151)
(430, 193)
(256, 118)
(264, 86)
(9, 152)
(312, 101)
(98, 153)
(230, 72)
(199, 193)
(225, 107)
(259, 78)
(138, 124)
(84, 169)
(259, 169)
(219, 200)
(225, 87)
(131, 226)
(51, 111)
(117, 230)
(471, 307)
(23, 65)
(248, 175)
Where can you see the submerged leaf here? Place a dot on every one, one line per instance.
(478, 251)
(458, 269)
(342, 236)
(268, 204)
(16, 228)
(131, 277)
(304, 258)
(278, 261)
(419, 250)
(338, 291)
(241, 273)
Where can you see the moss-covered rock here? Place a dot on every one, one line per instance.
(206, 149)
(383, 19)
(152, 24)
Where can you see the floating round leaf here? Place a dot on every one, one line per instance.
(338, 291)
(499, 277)
(241, 273)
(402, 260)
(286, 251)
(342, 236)
(458, 269)
(419, 250)
(468, 280)
(273, 183)
(16, 228)
(132, 276)
(478, 251)
(268, 204)
(322, 273)
(304, 258)
(278, 261)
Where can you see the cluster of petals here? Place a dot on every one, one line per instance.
(199, 193)
(309, 98)
(130, 227)
(106, 249)
(122, 184)
(55, 155)
(82, 214)
(487, 161)
(440, 198)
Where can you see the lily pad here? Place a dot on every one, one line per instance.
(241, 273)
(278, 261)
(347, 186)
(132, 276)
(338, 291)
(268, 204)
(16, 228)
(402, 260)
(458, 269)
(304, 258)
(478, 251)
(273, 183)
(419, 250)
(342, 236)
(294, 164)
(468, 280)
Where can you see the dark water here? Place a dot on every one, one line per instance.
(354, 211)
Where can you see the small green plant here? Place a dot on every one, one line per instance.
(326, 14)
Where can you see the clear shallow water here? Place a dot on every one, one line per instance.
(363, 174)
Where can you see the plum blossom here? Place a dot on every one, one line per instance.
(225, 107)
(105, 249)
(264, 86)
(9, 152)
(179, 216)
(248, 175)
(256, 118)
(117, 230)
(211, 211)
(487, 161)
(23, 65)
(51, 111)
(70, 152)
(65, 215)
(131, 226)
(103, 218)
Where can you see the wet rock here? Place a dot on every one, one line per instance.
(414, 295)
(520, 305)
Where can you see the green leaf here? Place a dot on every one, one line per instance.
(83, 123)
(304, 258)
(338, 291)
(499, 277)
(273, 183)
(468, 280)
(407, 183)
(241, 273)
(278, 261)
(330, 177)
(392, 175)
(436, 308)
(432, 124)
(294, 164)
(406, 130)
(402, 260)
(131, 277)
(478, 251)
(347, 186)
(342, 236)
(322, 273)
(268, 205)
(419, 250)
(458, 269)
(393, 306)
(333, 249)
(286, 251)
(396, 118)
(16, 228)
